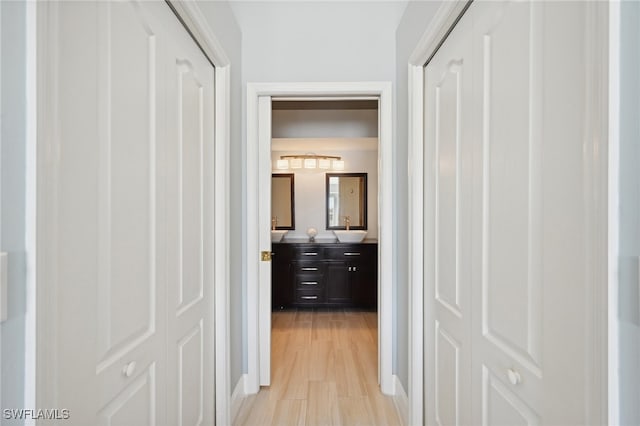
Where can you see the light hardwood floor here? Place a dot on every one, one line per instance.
(323, 372)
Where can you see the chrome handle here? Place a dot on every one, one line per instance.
(310, 253)
(309, 282)
(351, 253)
(309, 297)
(309, 269)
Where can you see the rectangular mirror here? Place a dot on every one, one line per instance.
(282, 201)
(346, 201)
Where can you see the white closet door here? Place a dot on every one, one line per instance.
(448, 84)
(189, 161)
(529, 330)
(122, 341)
(520, 213)
(508, 332)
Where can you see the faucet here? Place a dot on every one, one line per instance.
(347, 222)
(274, 221)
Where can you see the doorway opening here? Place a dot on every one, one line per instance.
(324, 290)
(259, 223)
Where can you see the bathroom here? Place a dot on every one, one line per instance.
(324, 257)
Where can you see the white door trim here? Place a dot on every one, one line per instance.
(259, 320)
(595, 196)
(43, 151)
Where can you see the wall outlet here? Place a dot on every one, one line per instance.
(3, 286)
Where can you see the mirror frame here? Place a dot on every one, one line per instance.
(291, 177)
(364, 201)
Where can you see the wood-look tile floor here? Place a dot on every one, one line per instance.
(324, 371)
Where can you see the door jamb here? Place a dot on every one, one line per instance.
(42, 170)
(258, 320)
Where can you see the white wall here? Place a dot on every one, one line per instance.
(310, 193)
(317, 41)
(12, 166)
(333, 123)
(224, 26)
(414, 22)
(629, 242)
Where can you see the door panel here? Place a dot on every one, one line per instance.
(510, 95)
(191, 374)
(500, 406)
(189, 325)
(135, 404)
(448, 135)
(448, 86)
(126, 181)
(134, 213)
(447, 389)
(505, 182)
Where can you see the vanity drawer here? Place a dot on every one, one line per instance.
(308, 268)
(355, 252)
(309, 253)
(309, 297)
(309, 282)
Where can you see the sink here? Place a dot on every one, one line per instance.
(277, 235)
(350, 236)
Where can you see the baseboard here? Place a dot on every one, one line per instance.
(237, 397)
(401, 400)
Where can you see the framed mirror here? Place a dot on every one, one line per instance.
(346, 202)
(282, 201)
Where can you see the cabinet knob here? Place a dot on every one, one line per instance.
(129, 369)
(514, 377)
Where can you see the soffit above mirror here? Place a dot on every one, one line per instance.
(323, 145)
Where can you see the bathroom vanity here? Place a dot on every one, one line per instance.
(324, 275)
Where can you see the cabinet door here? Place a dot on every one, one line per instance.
(363, 276)
(281, 280)
(338, 283)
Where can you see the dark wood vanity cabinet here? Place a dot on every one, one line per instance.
(331, 275)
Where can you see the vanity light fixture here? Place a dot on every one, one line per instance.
(310, 162)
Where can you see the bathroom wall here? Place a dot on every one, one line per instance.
(310, 191)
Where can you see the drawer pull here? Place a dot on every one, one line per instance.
(309, 282)
(309, 269)
(351, 253)
(310, 253)
(309, 297)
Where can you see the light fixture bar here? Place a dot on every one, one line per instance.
(308, 156)
(310, 162)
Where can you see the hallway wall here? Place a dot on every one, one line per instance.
(415, 21)
(316, 41)
(13, 145)
(629, 209)
(223, 24)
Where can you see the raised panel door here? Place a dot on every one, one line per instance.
(448, 85)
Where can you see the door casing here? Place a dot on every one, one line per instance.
(259, 170)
